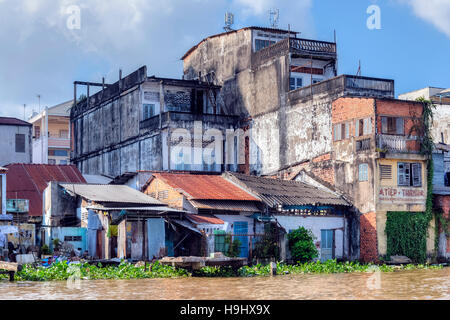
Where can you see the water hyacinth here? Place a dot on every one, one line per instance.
(125, 270)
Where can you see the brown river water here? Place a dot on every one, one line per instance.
(418, 284)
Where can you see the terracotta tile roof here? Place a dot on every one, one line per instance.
(205, 187)
(204, 219)
(13, 122)
(28, 181)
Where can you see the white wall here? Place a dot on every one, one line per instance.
(8, 152)
(316, 224)
(3, 193)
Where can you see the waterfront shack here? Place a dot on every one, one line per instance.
(222, 210)
(120, 222)
(295, 204)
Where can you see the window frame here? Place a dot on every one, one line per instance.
(410, 176)
(363, 175)
(20, 145)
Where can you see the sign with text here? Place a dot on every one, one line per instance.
(401, 195)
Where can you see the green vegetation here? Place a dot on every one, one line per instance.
(234, 249)
(301, 245)
(63, 271)
(407, 231)
(267, 246)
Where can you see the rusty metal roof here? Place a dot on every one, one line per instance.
(204, 219)
(226, 205)
(13, 122)
(286, 192)
(205, 187)
(110, 193)
(28, 181)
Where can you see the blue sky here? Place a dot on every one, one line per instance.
(40, 55)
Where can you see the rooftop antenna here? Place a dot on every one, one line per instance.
(39, 98)
(229, 21)
(358, 73)
(274, 16)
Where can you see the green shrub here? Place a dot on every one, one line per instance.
(301, 245)
(234, 249)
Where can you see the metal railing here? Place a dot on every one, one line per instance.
(392, 143)
(362, 145)
(312, 45)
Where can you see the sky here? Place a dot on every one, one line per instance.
(45, 47)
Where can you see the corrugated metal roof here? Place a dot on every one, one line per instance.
(286, 192)
(186, 224)
(152, 208)
(205, 187)
(13, 122)
(204, 219)
(110, 193)
(245, 206)
(28, 181)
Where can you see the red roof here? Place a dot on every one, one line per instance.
(206, 187)
(28, 181)
(204, 219)
(13, 122)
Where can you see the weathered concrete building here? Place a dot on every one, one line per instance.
(136, 124)
(269, 85)
(15, 141)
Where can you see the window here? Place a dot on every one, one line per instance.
(148, 111)
(409, 174)
(341, 131)
(385, 172)
(363, 172)
(58, 153)
(63, 162)
(73, 238)
(316, 80)
(51, 161)
(392, 125)
(363, 127)
(261, 44)
(295, 83)
(20, 143)
(64, 134)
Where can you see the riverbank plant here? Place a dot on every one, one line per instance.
(85, 271)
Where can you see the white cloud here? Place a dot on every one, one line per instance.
(436, 12)
(41, 55)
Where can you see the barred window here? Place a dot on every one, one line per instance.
(409, 174)
(363, 174)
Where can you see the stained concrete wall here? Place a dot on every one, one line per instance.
(8, 144)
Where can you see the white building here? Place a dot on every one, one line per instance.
(53, 147)
(15, 142)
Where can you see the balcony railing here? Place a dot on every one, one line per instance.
(362, 145)
(17, 205)
(312, 45)
(392, 143)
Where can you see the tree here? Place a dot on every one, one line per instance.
(301, 245)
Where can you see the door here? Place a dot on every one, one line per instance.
(240, 233)
(326, 245)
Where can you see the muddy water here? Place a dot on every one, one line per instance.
(421, 284)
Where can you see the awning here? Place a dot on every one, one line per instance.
(185, 224)
(8, 229)
(204, 219)
(160, 209)
(226, 205)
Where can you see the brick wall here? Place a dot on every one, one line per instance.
(164, 193)
(368, 238)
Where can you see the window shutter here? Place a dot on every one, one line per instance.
(384, 126)
(367, 126)
(357, 128)
(347, 130)
(400, 126)
(337, 132)
(401, 173)
(416, 174)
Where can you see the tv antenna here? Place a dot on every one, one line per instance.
(274, 16)
(229, 21)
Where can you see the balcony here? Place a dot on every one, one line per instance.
(354, 85)
(363, 145)
(17, 205)
(398, 143)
